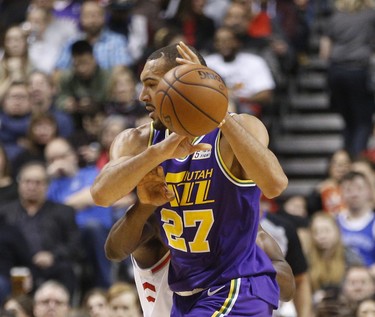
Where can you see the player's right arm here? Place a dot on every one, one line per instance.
(131, 159)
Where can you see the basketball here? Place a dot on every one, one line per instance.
(192, 99)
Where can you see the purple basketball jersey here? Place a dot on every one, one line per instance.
(211, 225)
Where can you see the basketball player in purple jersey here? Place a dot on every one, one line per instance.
(213, 185)
(151, 257)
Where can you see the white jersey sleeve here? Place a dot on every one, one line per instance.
(152, 286)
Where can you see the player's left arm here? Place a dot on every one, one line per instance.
(284, 274)
(245, 151)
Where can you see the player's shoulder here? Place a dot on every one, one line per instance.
(131, 141)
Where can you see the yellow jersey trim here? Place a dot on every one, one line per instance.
(225, 169)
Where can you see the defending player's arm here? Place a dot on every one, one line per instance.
(284, 274)
(134, 229)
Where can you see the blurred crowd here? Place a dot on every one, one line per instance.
(69, 82)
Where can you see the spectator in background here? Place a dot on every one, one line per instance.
(265, 40)
(123, 300)
(357, 223)
(123, 99)
(197, 28)
(15, 64)
(21, 305)
(95, 302)
(42, 129)
(123, 19)
(11, 13)
(49, 228)
(8, 187)
(347, 46)
(326, 195)
(366, 308)
(84, 88)
(51, 299)
(71, 185)
(249, 93)
(13, 252)
(358, 285)
(46, 35)
(328, 257)
(365, 166)
(109, 48)
(15, 117)
(42, 96)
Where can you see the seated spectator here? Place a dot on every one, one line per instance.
(22, 305)
(15, 117)
(8, 187)
(357, 222)
(42, 96)
(51, 299)
(326, 195)
(41, 130)
(264, 40)
(249, 93)
(13, 253)
(358, 285)
(15, 64)
(71, 185)
(328, 257)
(109, 48)
(366, 167)
(51, 234)
(85, 141)
(95, 302)
(84, 88)
(46, 35)
(197, 28)
(123, 300)
(366, 308)
(124, 19)
(123, 97)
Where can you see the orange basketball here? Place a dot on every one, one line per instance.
(193, 100)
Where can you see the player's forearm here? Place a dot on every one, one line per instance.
(256, 159)
(128, 232)
(119, 177)
(285, 279)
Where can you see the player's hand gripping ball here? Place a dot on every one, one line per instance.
(192, 99)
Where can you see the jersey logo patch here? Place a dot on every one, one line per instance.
(210, 293)
(201, 155)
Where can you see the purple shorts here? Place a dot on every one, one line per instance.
(236, 298)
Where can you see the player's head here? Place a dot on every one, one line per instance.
(157, 64)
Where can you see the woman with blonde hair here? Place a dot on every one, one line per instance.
(327, 256)
(14, 63)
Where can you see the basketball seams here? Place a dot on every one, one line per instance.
(165, 94)
(187, 92)
(176, 78)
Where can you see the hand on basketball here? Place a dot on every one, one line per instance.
(153, 190)
(188, 56)
(178, 146)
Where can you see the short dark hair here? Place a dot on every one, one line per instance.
(352, 175)
(170, 53)
(81, 47)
